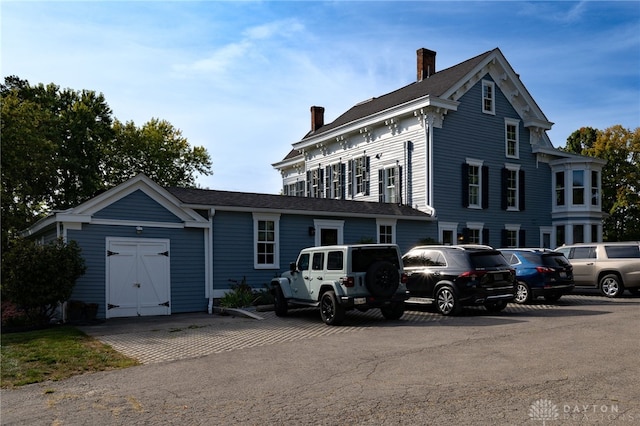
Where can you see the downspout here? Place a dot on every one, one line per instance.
(209, 260)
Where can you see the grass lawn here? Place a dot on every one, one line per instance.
(54, 354)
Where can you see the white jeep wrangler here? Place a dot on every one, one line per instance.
(343, 277)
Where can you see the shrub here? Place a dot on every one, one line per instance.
(37, 277)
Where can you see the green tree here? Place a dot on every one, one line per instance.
(620, 181)
(61, 147)
(581, 140)
(37, 277)
(156, 149)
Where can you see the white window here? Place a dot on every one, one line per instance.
(266, 230)
(360, 175)
(595, 185)
(511, 186)
(389, 186)
(488, 97)
(474, 182)
(335, 177)
(448, 233)
(578, 187)
(512, 138)
(386, 231)
(511, 236)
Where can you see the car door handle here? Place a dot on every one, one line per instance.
(590, 264)
(307, 278)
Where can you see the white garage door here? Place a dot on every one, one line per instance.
(138, 277)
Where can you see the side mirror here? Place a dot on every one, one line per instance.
(292, 266)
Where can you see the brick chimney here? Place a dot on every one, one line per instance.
(317, 117)
(426, 63)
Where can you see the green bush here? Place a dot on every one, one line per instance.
(243, 295)
(36, 277)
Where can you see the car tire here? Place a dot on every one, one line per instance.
(496, 306)
(553, 297)
(382, 279)
(611, 286)
(447, 302)
(393, 311)
(331, 311)
(523, 293)
(279, 302)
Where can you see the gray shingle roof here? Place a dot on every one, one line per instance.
(435, 85)
(252, 201)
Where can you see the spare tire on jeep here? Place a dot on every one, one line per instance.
(382, 279)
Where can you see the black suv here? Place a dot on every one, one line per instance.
(456, 276)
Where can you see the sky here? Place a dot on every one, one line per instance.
(239, 77)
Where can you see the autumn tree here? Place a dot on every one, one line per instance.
(620, 176)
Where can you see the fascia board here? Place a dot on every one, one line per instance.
(312, 213)
(146, 185)
(399, 110)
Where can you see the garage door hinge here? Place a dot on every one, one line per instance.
(164, 253)
(111, 253)
(110, 306)
(164, 304)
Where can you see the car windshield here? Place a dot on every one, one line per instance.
(488, 259)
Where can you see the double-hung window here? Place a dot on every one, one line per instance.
(595, 193)
(315, 182)
(390, 185)
(513, 198)
(578, 187)
(335, 180)
(512, 136)
(386, 231)
(559, 188)
(266, 230)
(475, 184)
(488, 97)
(358, 176)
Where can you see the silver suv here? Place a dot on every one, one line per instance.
(611, 267)
(343, 277)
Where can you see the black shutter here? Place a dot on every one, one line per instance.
(328, 178)
(521, 196)
(485, 236)
(399, 186)
(350, 180)
(523, 238)
(320, 193)
(465, 185)
(504, 234)
(465, 235)
(342, 180)
(381, 185)
(308, 183)
(505, 188)
(485, 187)
(367, 176)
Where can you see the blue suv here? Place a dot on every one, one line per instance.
(540, 272)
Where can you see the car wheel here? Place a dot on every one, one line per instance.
(611, 286)
(553, 297)
(382, 279)
(523, 294)
(394, 311)
(330, 311)
(447, 302)
(279, 302)
(496, 306)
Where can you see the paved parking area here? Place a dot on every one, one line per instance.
(160, 339)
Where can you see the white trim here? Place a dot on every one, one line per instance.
(320, 224)
(514, 168)
(386, 222)
(448, 226)
(275, 218)
(516, 123)
(489, 83)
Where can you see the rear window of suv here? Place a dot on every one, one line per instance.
(362, 259)
(487, 259)
(554, 260)
(622, 252)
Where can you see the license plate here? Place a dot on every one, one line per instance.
(563, 275)
(359, 300)
(497, 277)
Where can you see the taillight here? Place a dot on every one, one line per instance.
(404, 278)
(545, 270)
(472, 274)
(348, 281)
